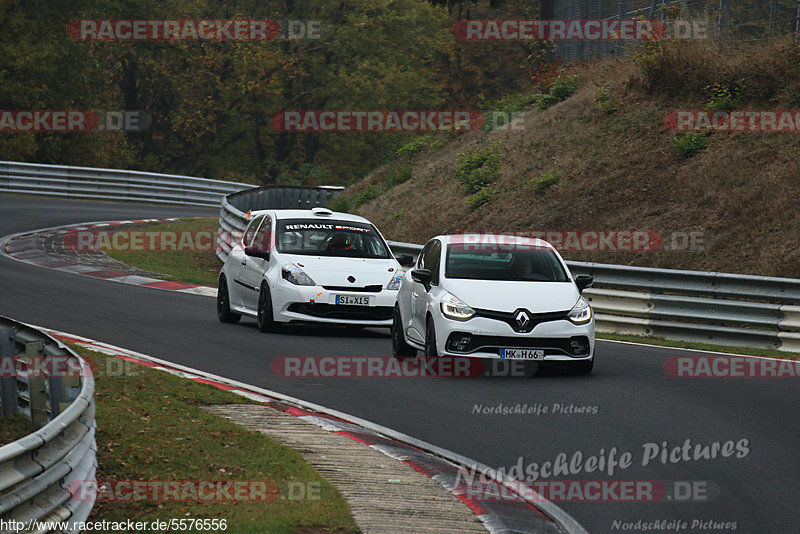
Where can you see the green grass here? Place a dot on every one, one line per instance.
(339, 203)
(689, 143)
(151, 426)
(370, 193)
(415, 146)
(13, 428)
(541, 183)
(701, 346)
(481, 197)
(398, 176)
(605, 101)
(196, 267)
(477, 168)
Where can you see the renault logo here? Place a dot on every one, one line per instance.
(522, 319)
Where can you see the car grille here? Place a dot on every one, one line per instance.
(377, 288)
(493, 344)
(533, 318)
(334, 311)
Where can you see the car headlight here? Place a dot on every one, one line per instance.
(454, 308)
(581, 313)
(295, 275)
(397, 279)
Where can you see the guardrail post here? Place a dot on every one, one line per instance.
(55, 394)
(35, 470)
(37, 385)
(8, 384)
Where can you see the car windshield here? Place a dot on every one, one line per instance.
(537, 265)
(348, 239)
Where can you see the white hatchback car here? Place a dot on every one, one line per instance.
(309, 265)
(503, 297)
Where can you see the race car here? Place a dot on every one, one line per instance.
(309, 266)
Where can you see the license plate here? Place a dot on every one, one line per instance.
(354, 301)
(521, 354)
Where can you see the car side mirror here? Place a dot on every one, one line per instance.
(405, 260)
(423, 276)
(256, 252)
(583, 281)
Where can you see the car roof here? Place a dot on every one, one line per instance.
(490, 238)
(309, 214)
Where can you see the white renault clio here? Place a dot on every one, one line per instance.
(309, 265)
(494, 296)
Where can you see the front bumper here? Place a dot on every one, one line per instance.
(480, 337)
(291, 303)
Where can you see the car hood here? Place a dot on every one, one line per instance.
(537, 297)
(332, 271)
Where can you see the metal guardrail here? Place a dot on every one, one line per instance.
(234, 208)
(113, 184)
(283, 197)
(37, 470)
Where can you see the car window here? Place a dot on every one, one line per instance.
(330, 238)
(422, 254)
(247, 238)
(261, 238)
(532, 265)
(432, 257)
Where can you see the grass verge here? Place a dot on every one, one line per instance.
(150, 426)
(701, 346)
(185, 264)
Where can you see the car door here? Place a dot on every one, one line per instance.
(253, 268)
(236, 260)
(413, 331)
(421, 298)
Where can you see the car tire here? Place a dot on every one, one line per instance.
(582, 368)
(430, 339)
(224, 313)
(264, 318)
(400, 349)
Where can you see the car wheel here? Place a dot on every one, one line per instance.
(224, 313)
(400, 349)
(582, 368)
(264, 312)
(430, 339)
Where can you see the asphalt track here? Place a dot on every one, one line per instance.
(636, 401)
